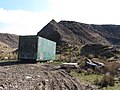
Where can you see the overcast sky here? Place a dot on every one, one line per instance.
(27, 17)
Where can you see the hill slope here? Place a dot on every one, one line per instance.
(9, 39)
(110, 32)
(8, 42)
(72, 32)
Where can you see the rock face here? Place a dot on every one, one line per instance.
(99, 50)
(51, 31)
(79, 33)
(71, 32)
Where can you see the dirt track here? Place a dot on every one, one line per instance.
(16, 76)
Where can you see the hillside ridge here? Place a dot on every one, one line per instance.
(79, 33)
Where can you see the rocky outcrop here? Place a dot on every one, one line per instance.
(51, 31)
(71, 32)
(98, 50)
(79, 33)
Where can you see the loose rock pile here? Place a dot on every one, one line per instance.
(16, 76)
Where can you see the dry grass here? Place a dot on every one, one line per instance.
(106, 80)
(6, 52)
(68, 53)
(4, 48)
(8, 56)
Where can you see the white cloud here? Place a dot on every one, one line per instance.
(22, 22)
(87, 11)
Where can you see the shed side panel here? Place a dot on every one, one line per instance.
(46, 49)
(27, 47)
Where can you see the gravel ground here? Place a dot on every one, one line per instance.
(38, 76)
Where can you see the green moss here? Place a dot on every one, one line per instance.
(91, 78)
(116, 87)
(86, 78)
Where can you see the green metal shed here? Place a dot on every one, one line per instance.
(36, 48)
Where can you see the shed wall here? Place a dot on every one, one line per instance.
(46, 49)
(37, 48)
(27, 47)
